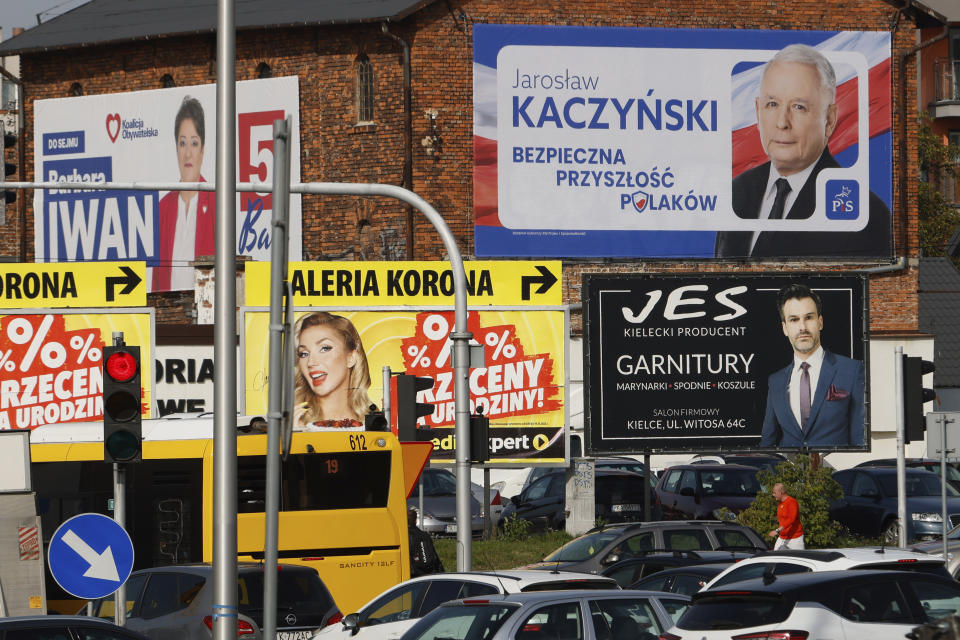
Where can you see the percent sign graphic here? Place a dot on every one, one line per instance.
(53, 355)
(499, 344)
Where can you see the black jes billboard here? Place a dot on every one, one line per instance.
(725, 362)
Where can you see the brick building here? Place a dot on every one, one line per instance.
(110, 46)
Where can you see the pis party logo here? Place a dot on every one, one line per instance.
(843, 199)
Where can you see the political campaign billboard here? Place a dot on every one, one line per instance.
(345, 334)
(726, 362)
(156, 136)
(51, 363)
(635, 142)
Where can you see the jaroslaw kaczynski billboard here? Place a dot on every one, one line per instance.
(601, 141)
(685, 363)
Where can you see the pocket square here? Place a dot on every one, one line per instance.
(833, 394)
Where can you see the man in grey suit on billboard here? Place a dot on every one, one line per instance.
(816, 400)
(796, 115)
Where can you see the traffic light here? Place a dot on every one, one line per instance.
(122, 428)
(375, 420)
(915, 395)
(479, 437)
(9, 140)
(409, 411)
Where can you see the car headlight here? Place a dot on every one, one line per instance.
(927, 517)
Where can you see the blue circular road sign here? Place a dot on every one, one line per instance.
(90, 556)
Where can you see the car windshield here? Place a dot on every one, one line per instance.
(584, 547)
(437, 483)
(729, 482)
(462, 622)
(918, 484)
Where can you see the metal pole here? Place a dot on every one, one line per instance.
(942, 419)
(646, 487)
(224, 606)
(488, 517)
(901, 452)
(278, 277)
(120, 517)
(385, 402)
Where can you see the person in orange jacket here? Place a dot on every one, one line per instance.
(789, 534)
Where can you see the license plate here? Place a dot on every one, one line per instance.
(626, 507)
(451, 528)
(294, 635)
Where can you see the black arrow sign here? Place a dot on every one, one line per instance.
(546, 279)
(130, 280)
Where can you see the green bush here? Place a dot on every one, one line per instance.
(814, 488)
(515, 529)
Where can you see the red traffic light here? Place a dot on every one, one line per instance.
(121, 366)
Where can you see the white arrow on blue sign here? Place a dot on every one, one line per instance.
(90, 556)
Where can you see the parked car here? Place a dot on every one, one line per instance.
(440, 503)
(604, 546)
(629, 571)
(497, 502)
(397, 609)
(804, 561)
(574, 615)
(701, 490)
(175, 602)
(928, 464)
(768, 461)
(64, 628)
(618, 497)
(869, 504)
(935, 547)
(623, 463)
(854, 604)
(686, 580)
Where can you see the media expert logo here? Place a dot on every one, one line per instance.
(131, 128)
(843, 197)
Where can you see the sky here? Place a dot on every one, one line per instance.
(23, 13)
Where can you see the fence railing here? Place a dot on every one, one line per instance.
(946, 80)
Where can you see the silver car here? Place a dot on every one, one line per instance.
(440, 503)
(175, 602)
(562, 615)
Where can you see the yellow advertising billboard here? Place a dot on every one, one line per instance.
(521, 388)
(51, 364)
(414, 283)
(37, 285)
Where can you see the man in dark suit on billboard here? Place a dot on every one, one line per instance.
(818, 399)
(796, 115)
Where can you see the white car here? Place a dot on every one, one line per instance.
(842, 605)
(397, 609)
(779, 563)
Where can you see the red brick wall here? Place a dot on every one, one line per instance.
(334, 148)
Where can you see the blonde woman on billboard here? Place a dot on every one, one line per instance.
(332, 376)
(186, 217)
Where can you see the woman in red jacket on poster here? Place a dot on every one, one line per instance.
(186, 217)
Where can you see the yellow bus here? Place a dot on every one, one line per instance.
(342, 498)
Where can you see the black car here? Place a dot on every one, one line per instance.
(63, 628)
(927, 464)
(631, 570)
(701, 490)
(604, 546)
(768, 461)
(618, 496)
(686, 580)
(869, 503)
